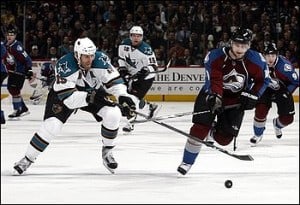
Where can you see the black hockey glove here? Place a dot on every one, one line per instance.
(143, 72)
(124, 73)
(214, 102)
(29, 74)
(248, 101)
(99, 97)
(127, 106)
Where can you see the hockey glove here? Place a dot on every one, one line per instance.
(143, 72)
(214, 102)
(248, 101)
(124, 73)
(99, 97)
(127, 106)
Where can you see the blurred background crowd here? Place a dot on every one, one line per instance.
(182, 30)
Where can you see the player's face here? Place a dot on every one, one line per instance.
(270, 59)
(136, 39)
(86, 61)
(10, 37)
(239, 49)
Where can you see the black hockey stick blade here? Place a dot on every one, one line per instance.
(240, 157)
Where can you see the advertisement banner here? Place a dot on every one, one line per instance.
(178, 81)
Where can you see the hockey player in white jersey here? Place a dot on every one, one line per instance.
(137, 66)
(83, 80)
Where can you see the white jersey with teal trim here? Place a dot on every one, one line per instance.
(74, 83)
(134, 58)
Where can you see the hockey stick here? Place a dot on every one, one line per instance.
(19, 73)
(170, 116)
(240, 157)
(164, 69)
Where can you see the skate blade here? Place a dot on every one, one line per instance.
(19, 117)
(14, 172)
(109, 169)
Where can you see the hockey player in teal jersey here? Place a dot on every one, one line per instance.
(137, 66)
(83, 80)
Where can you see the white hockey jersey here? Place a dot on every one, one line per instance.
(72, 84)
(134, 58)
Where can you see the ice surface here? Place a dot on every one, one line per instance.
(70, 170)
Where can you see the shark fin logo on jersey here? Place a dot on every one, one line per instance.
(103, 58)
(233, 81)
(148, 51)
(130, 62)
(63, 68)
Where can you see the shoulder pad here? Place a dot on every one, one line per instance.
(66, 65)
(101, 61)
(145, 48)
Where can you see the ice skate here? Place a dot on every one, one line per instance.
(19, 113)
(129, 125)
(153, 110)
(255, 140)
(278, 132)
(21, 166)
(183, 168)
(36, 97)
(108, 160)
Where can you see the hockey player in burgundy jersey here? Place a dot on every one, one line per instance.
(226, 93)
(83, 80)
(284, 81)
(19, 67)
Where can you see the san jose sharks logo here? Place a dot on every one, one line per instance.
(63, 68)
(130, 61)
(148, 51)
(104, 59)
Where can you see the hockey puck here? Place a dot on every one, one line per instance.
(228, 184)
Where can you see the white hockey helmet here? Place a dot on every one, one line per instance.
(136, 30)
(84, 46)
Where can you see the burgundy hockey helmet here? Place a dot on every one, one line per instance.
(242, 36)
(271, 49)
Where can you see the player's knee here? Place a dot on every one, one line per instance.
(50, 128)
(286, 119)
(111, 117)
(222, 138)
(199, 130)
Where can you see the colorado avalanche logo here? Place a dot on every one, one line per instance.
(10, 59)
(233, 81)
